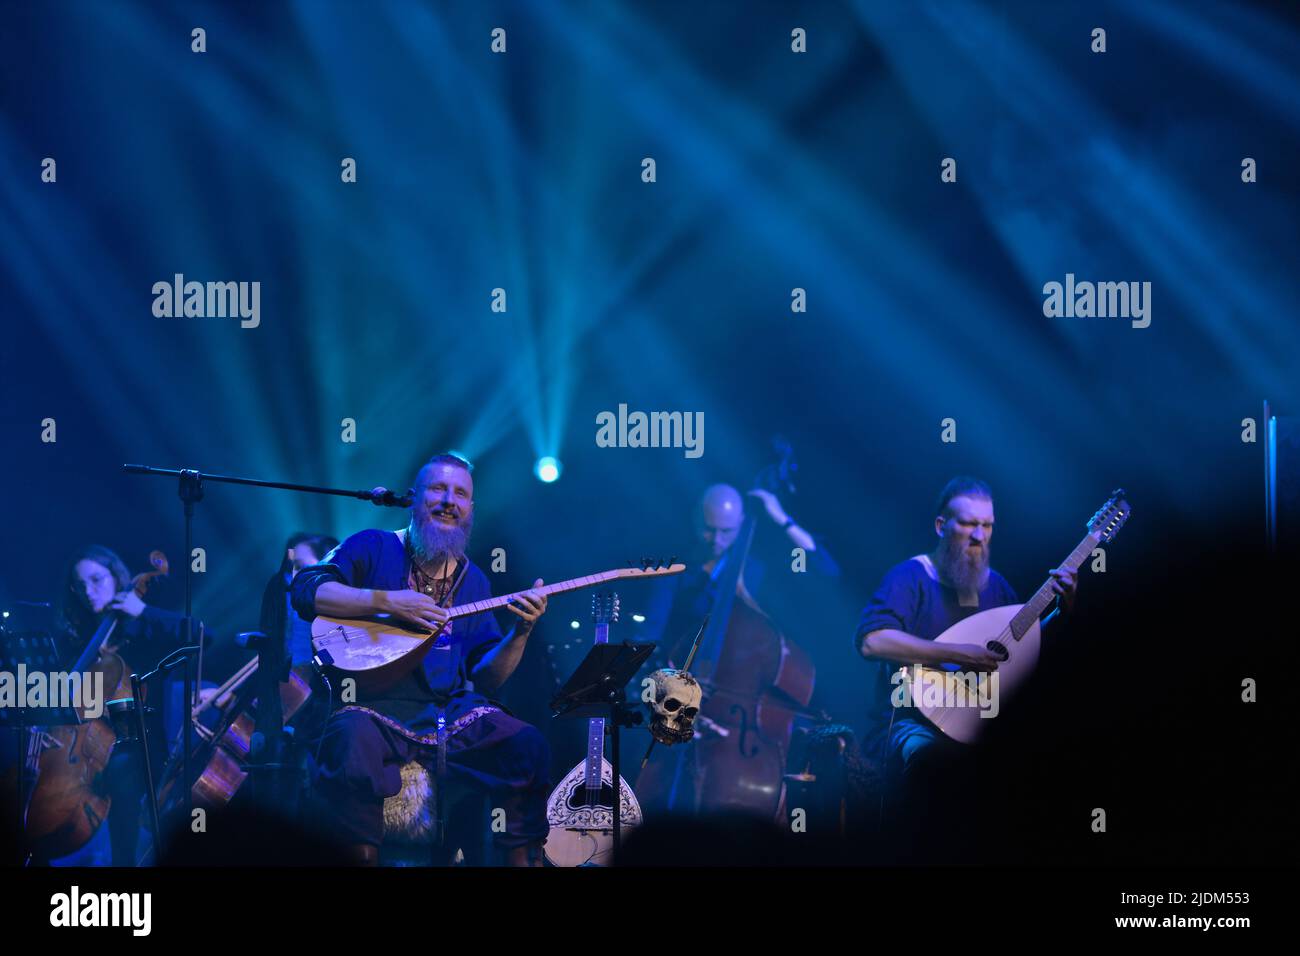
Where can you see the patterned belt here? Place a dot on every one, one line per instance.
(431, 738)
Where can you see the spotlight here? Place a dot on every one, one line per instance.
(547, 469)
(575, 625)
(639, 618)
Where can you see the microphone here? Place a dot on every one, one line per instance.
(381, 497)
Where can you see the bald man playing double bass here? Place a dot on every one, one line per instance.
(678, 604)
(779, 578)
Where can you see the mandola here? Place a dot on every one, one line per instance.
(581, 809)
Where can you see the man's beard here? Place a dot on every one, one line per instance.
(432, 543)
(959, 567)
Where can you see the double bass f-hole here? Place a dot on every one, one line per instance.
(744, 730)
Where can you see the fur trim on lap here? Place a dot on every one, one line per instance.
(409, 815)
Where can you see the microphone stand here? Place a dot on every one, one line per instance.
(178, 657)
(190, 490)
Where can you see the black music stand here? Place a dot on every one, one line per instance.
(33, 650)
(597, 689)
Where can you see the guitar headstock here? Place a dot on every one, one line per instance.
(1110, 517)
(604, 608)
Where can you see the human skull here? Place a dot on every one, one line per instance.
(677, 701)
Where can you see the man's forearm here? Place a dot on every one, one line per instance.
(335, 599)
(801, 538)
(904, 648)
(499, 663)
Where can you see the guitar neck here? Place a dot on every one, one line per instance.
(1044, 596)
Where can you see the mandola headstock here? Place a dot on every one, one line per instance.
(604, 607)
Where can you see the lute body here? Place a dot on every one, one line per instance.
(963, 722)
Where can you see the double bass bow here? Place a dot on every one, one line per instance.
(755, 682)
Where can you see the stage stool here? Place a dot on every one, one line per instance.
(410, 837)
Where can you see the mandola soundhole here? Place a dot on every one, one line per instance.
(578, 798)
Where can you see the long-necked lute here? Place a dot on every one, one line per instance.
(378, 652)
(954, 702)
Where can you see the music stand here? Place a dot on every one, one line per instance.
(23, 651)
(596, 689)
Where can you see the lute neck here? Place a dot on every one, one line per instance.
(1044, 596)
(573, 584)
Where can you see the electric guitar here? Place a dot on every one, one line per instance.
(1011, 633)
(378, 652)
(581, 809)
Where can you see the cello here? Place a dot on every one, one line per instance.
(755, 682)
(68, 803)
(223, 749)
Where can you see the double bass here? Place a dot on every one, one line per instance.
(755, 683)
(68, 801)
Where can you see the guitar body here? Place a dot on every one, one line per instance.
(964, 723)
(582, 834)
